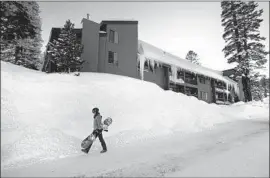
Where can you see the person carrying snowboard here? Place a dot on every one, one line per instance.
(97, 131)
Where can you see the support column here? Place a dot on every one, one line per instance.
(184, 81)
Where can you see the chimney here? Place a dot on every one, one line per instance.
(87, 16)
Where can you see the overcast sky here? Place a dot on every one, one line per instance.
(175, 27)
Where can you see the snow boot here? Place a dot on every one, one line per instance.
(85, 151)
(103, 151)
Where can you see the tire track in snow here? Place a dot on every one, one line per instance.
(173, 162)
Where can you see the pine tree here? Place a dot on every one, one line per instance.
(66, 50)
(20, 32)
(16, 21)
(241, 21)
(256, 87)
(192, 57)
(264, 82)
(32, 51)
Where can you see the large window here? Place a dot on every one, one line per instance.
(113, 36)
(112, 58)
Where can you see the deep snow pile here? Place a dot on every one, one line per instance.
(253, 109)
(45, 116)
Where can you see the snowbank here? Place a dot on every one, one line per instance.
(45, 116)
(253, 109)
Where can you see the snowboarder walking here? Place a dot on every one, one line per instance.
(97, 130)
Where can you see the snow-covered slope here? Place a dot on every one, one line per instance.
(45, 116)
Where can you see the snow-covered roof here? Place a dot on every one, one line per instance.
(153, 53)
(120, 19)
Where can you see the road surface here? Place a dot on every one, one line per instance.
(239, 148)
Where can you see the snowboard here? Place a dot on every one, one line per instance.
(92, 137)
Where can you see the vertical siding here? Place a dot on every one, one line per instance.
(205, 88)
(102, 54)
(90, 41)
(126, 48)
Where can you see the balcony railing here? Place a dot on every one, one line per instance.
(191, 81)
(221, 90)
(179, 80)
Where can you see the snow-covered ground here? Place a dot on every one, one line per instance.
(44, 117)
(233, 149)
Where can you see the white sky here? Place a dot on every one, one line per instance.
(176, 27)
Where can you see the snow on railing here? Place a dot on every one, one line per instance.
(181, 81)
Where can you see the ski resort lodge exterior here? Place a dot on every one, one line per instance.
(113, 47)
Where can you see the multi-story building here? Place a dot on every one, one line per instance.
(113, 47)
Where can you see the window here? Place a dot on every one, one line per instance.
(179, 88)
(155, 66)
(230, 98)
(190, 78)
(202, 80)
(180, 75)
(221, 96)
(113, 36)
(148, 67)
(112, 58)
(190, 91)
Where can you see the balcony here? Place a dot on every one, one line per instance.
(190, 91)
(220, 85)
(178, 80)
(221, 90)
(191, 81)
(191, 78)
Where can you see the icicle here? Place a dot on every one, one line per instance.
(174, 73)
(142, 61)
(158, 65)
(236, 88)
(152, 63)
(141, 58)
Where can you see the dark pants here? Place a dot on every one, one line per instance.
(98, 133)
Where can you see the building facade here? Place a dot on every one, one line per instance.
(113, 47)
